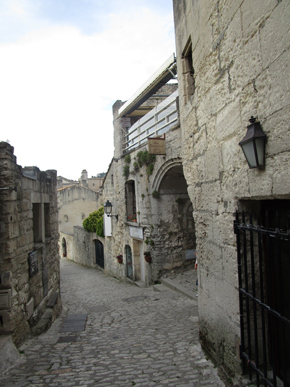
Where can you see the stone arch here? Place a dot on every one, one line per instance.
(169, 164)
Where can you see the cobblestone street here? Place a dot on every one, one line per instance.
(115, 334)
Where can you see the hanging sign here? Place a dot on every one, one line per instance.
(156, 146)
(136, 232)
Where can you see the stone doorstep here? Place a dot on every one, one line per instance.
(160, 288)
(178, 288)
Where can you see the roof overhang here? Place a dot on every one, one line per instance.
(157, 80)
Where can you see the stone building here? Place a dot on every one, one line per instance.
(148, 192)
(94, 182)
(64, 182)
(233, 64)
(29, 257)
(75, 203)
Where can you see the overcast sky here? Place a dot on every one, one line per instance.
(63, 63)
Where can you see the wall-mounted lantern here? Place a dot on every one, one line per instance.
(253, 144)
(108, 209)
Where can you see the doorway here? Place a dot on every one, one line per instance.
(129, 262)
(99, 251)
(64, 248)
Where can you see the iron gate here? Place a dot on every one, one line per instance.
(263, 249)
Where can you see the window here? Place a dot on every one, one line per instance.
(47, 220)
(37, 222)
(131, 201)
(188, 72)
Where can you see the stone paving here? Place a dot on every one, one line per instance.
(115, 334)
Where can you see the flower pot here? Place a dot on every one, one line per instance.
(148, 259)
(120, 260)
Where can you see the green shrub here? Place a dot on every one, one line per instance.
(95, 222)
(155, 194)
(127, 159)
(144, 158)
(150, 169)
(126, 171)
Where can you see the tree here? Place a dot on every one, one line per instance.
(95, 222)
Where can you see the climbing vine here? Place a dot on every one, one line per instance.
(144, 158)
(126, 168)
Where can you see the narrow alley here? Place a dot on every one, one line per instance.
(115, 334)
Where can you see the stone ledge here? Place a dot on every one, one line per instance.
(52, 300)
(178, 288)
(44, 323)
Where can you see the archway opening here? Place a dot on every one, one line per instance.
(64, 247)
(175, 244)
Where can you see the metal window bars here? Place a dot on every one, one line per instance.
(263, 269)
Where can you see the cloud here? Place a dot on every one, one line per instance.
(58, 86)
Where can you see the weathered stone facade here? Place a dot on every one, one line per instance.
(29, 287)
(84, 247)
(93, 182)
(233, 63)
(161, 221)
(75, 203)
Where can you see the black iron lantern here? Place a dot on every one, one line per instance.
(253, 145)
(108, 209)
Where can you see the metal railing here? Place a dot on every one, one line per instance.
(155, 123)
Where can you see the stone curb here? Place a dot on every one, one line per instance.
(178, 288)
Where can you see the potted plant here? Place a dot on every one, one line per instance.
(120, 258)
(147, 256)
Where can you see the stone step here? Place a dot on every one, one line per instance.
(160, 288)
(178, 288)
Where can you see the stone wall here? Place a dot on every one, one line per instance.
(29, 255)
(75, 203)
(84, 247)
(240, 55)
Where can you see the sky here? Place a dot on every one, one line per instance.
(63, 64)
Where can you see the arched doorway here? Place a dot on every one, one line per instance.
(64, 247)
(173, 237)
(129, 262)
(99, 253)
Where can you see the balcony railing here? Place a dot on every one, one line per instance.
(155, 123)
